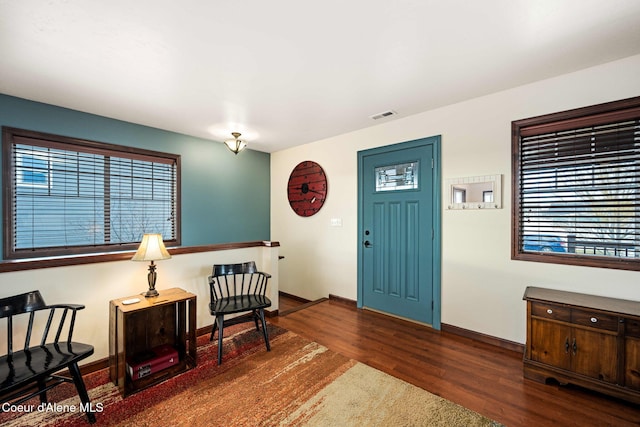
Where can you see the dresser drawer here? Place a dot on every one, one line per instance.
(594, 319)
(551, 311)
(632, 328)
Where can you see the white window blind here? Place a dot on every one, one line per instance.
(578, 189)
(69, 198)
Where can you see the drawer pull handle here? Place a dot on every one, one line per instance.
(549, 311)
(594, 320)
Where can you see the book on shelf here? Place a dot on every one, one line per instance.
(149, 362)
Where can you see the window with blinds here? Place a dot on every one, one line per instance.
(577, 187)
(65, 196)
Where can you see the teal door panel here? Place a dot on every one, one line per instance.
(398, 214)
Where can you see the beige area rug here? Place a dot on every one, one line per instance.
(298, 383)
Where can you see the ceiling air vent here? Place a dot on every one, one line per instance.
(383, 114)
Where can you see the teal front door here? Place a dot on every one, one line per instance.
(399, 230)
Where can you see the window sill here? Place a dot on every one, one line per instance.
(62, 261)
(632, 264)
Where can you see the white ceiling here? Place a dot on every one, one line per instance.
(288, 72)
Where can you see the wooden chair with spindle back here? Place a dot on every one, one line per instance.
(31, 371)
(238, 288)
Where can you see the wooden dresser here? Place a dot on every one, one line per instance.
(586, 340)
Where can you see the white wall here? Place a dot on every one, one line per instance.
(94, 285)
(482, 287)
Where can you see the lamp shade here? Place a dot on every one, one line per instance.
(151, 249)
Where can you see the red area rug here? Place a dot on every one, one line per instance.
(298, 382)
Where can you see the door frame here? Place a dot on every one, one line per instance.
(434, 142)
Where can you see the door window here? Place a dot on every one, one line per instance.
(402, 176)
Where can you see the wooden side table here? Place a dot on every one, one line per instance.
(169, 318)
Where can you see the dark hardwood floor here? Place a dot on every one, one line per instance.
(485, 378)
(288, 303)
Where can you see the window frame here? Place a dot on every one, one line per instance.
(609, 112)
(11, 135)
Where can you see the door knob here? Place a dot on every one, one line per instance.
(367, 244)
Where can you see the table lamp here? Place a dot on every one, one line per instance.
(151, 249)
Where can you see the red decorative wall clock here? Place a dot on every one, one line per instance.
(307, 188)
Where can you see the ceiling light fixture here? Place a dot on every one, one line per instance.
(235, 145)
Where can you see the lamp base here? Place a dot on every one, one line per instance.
(151, 277)
(151, 293)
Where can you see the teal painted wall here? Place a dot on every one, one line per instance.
(225, 198)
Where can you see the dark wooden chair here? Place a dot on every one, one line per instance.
(29, 372)
(238, 288)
